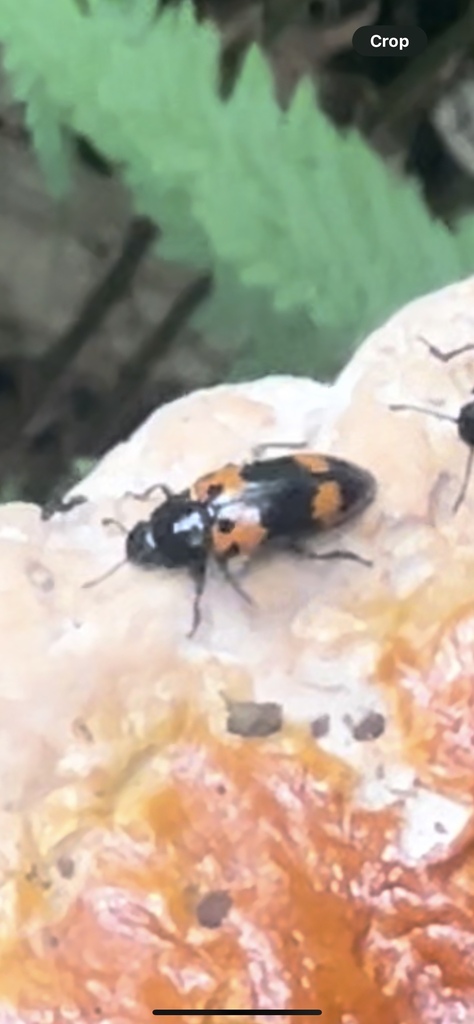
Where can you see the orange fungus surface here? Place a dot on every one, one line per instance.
(246, 882)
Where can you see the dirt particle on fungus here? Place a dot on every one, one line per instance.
(370, 726)
(81, 730)
(213, 908)
(65, 866)
(320, 726)
(250, 719)
(41, 578)
(34, 877)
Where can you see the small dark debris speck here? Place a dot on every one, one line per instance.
(82, 731)
(213, 908)
(40, 576)
(440, 828)
(66, 866)
(370, 727)
(247, 718)
(320, 726)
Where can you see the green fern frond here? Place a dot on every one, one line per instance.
(278, 204)
(50, 142)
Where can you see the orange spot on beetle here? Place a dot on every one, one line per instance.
(227, 479)
(244, 537)
(326, 505)
(313, 463)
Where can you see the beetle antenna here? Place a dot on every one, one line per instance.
(428, 412)
(110, 572)
(104, 576)
(465, 483)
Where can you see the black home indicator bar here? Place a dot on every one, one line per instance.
(238, 1013)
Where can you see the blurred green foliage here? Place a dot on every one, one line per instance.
(311, 239)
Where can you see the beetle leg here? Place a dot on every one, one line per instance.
(230, 578)
(324, 556)
(198, 573)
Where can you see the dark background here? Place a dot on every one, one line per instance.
(94, 330)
